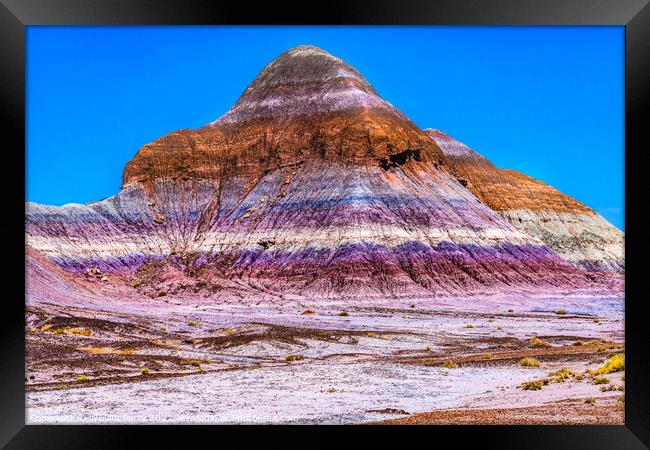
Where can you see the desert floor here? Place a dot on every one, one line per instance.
(419, 362)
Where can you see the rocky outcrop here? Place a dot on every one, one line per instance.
(310, 185)
(570, 228)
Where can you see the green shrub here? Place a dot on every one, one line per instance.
(344, 314)
(145, 371)
(561, 312)
(449, 364)
(294, 357)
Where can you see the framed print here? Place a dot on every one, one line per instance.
(411, 218)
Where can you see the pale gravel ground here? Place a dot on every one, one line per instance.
(297, 392)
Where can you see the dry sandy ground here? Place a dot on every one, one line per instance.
(227, 363)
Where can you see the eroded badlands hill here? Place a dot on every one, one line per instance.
(310, 185)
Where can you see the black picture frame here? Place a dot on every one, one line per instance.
(15, 15)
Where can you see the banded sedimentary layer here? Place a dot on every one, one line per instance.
(310, 185)
(571, 229)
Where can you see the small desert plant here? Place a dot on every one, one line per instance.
(615, 363)
(191, 362)
(590, 401)
(578, 343)
(487, 356)
(537, 342)
(331, 390)
(80, 331)
(145, 371)
(162, 293)
(534, 385)
(601, 380)
(449, 365)
(563, 374)
(191, 323)
(82, 378)
(469, 325)
(611, 387)
(529, 362)
(499, 328)
(621, 398)
(561, 312)
(307, 311)
(372, 334)
(344, 314)
(427, 348)
(163, 329)
(294, 357)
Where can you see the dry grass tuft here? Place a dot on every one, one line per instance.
(107, 351)
(537, 342)
(563, 374)
(534, 385)
(191, 362)
(449, 365)
(529, 362)
(294, 357)
(601, 380)
(616, 363)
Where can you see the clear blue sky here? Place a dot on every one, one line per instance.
(548, 101)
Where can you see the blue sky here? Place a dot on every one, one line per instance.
(548, 101)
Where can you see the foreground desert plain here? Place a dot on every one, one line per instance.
(313, 256)
(209, 362)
